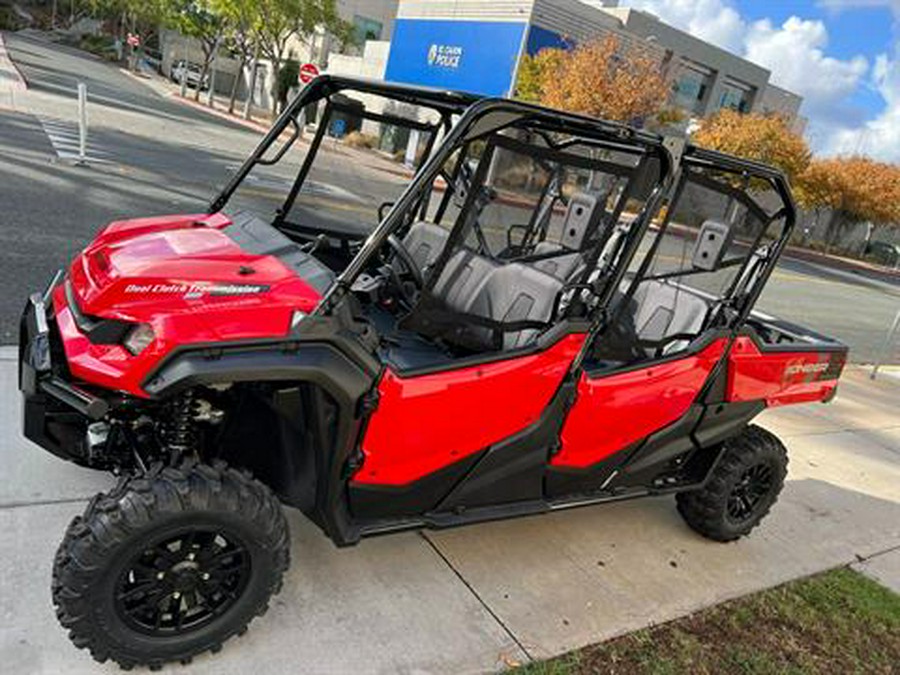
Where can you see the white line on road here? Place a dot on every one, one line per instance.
(63, 137)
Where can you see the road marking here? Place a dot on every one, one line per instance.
(64, 138)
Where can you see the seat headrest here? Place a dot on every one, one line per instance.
(712, 242)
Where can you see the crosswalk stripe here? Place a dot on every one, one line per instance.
(66, 141)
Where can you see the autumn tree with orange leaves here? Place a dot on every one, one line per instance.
(856, 189)
(605, 78)
(763, 138)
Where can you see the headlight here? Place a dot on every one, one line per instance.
(139, 338)
(296, 318)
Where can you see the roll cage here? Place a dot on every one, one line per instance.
(464, 120)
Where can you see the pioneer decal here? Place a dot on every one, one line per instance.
(806, 368)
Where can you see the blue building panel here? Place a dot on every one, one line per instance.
(474, 56)
(543, 38)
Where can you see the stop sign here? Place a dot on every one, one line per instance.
(308, 72)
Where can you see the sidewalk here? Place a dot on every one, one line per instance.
(260, 120)
(11, 80)
(479, 598)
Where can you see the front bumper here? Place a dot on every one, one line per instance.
(56, 412)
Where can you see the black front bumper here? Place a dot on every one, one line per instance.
(56, 412)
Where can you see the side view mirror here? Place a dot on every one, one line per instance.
(711, 245)
(383, 209)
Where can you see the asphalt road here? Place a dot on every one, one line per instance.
(164, 157)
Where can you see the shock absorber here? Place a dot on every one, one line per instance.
(179, 426)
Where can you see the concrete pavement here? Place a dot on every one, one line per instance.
(883, 568)
(11, 80)
(479, 598)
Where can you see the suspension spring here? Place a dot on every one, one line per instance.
(179, 426)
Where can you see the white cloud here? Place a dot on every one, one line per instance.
(879, 137)
(712, 20)
(795, 53)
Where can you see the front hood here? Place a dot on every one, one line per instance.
(209, 273)
(194, 279)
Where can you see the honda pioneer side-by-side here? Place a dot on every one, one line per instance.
(553, 311)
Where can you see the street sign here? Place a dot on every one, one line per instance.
(308, 72)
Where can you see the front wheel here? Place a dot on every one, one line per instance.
(170, 565)
(743, 487)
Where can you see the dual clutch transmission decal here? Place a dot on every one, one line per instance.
(196, 290)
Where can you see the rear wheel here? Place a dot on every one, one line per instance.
(170, 565)
(742, 488)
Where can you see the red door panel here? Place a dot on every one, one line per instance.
(426, 422)
(612, 412)
(780, 377)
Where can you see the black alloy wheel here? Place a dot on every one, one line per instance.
(182, 582)
(170, 564)
(749, 492)
(743, 485)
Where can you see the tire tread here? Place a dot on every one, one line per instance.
(114, 516)
(703, 509)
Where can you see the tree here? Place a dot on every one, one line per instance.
(140, 17)
(864, 191)
(764, 138)
(534, 71)
(277, 21)
(203, 21)
(606, 78)
(240, 17)
(817, 190)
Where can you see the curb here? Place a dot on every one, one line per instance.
(19, 83)
(841, 262)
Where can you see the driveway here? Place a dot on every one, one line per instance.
(479, 598)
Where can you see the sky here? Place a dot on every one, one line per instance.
(842, 56)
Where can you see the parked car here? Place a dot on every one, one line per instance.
(883, 253)
(193, 74)
(472, 355)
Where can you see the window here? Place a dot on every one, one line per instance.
(737, 96)
(690, 86)
(366, 29)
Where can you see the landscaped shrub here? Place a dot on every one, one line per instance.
(356, 139)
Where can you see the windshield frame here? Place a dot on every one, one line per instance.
(445, 103)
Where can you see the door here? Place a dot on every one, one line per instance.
(670, 329)
(430, 430)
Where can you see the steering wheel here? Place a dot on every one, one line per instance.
(411, 271)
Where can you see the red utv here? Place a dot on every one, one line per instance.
(553, 311)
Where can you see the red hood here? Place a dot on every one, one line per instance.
(186, 276)
(162, 269)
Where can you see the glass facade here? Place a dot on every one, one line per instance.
(737, 96)
(366, 29)
(690, 86)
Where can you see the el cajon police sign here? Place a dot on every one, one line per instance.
(475, 56)
(444, 56)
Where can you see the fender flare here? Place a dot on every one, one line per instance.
(318, 363)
